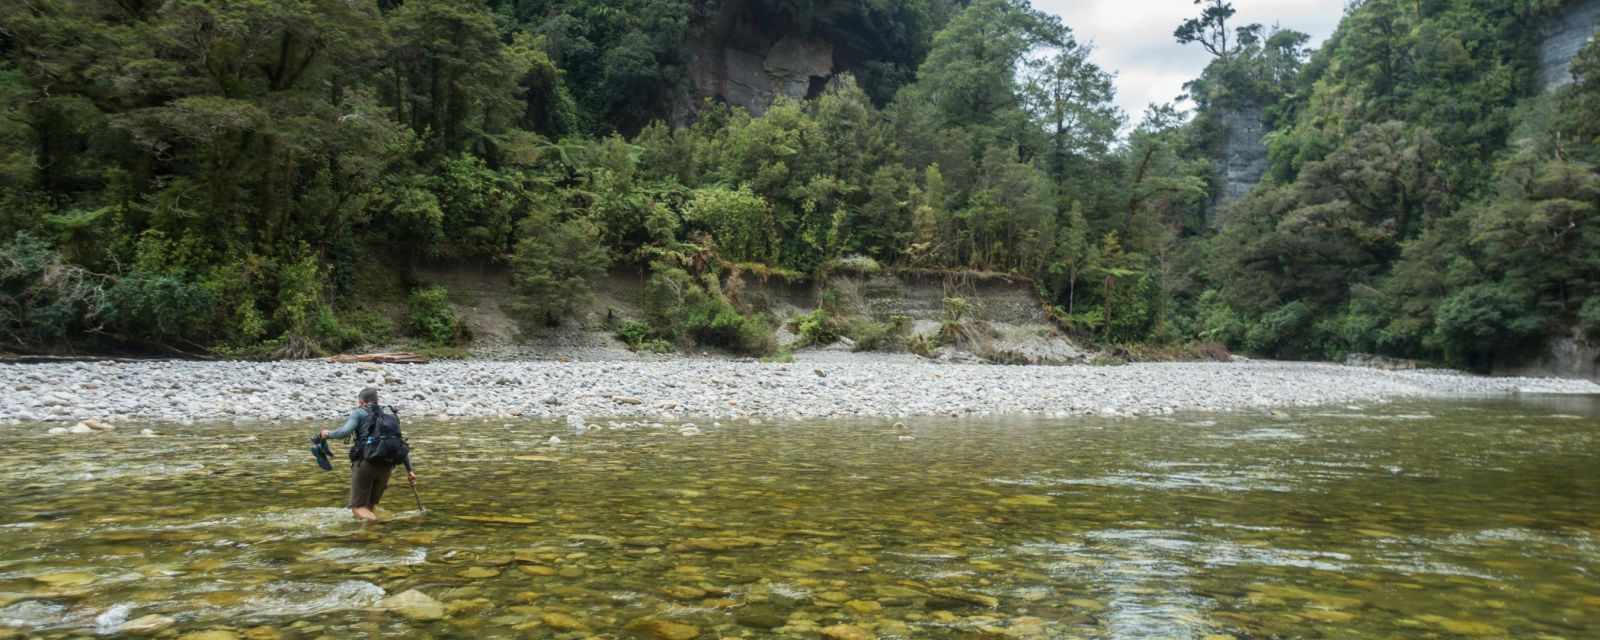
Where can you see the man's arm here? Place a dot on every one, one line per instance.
(348, 428)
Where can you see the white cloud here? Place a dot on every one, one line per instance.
(1133, 38)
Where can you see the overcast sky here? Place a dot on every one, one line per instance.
(1133, 38)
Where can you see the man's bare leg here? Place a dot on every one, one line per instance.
(363, 513)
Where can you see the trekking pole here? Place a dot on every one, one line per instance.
(414, 494)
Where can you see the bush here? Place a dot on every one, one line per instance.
(1480, 319)
(1216, 321)
(299, 296)
(852, 265)
(678, 308)
(816, 328)
(554, 264)
(921, 345)
(41, 296)
(871, 335)
(641, 338)
(1282, 331)
(162, 307)
(431, 317)
(716, 323)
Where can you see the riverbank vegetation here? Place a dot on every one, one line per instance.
(259, 177)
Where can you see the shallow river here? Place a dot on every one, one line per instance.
(1427, 520)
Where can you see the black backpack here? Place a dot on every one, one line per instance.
(378, 439)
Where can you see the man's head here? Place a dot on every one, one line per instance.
(368, 396)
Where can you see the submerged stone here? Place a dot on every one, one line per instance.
(846, 632)
(211, 634)
(413, 604)
(759, 618)
(497, 519)
(1027, 501)
(684, 592)
(963, 597)
(67, 579)
(564, 622)
(148, 624)
(664, 629)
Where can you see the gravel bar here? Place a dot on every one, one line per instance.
(188, 391)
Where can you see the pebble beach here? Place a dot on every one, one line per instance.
(192, 391)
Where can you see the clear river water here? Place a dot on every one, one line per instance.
(1472, 518)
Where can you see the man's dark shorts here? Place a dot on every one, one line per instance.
(367, 482)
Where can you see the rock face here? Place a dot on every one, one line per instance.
(1565, 357)
(1243, 158)
(1563, 38)
(1019, 332)
(735, 60)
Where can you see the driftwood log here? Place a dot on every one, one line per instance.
(399, 357)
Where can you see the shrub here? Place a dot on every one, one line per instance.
(679, 308)
(715, 322)
(955, 309)
(431, 317)
(41, 296)
(1281, 331)
(554, 264)
(871, 335)
(641, 338)
(162, 307)
(299, 296)
(852, 265)
(816, 328)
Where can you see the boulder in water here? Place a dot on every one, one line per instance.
(846, 632)
(664, 629)
(145, 625)
(413, 604)
(80, 429)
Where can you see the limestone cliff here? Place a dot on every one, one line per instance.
(735, 59)
(1564, 36)
(1242, 157)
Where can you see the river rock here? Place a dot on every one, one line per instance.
(210, 634)
(413, 604)
(80, 429)
(146, 625)
(563, 622)
(963, 597)
(684, 592)
(664, 629)
(758, 617)
(57, 431)
(846, 632)
(478, 573)
(67, 579)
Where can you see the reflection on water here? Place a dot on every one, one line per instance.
(1477, 519)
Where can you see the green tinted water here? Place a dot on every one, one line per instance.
(1415, 520)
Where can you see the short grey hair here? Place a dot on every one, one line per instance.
(368, 395)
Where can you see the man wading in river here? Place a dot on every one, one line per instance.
(377, 448)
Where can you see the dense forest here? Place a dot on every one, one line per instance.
(249, 177)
